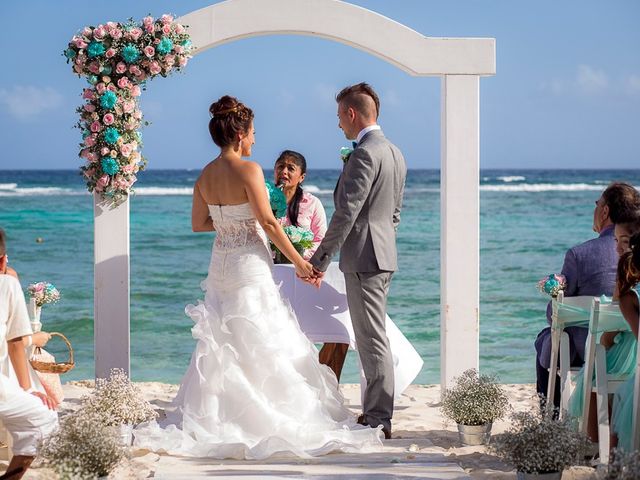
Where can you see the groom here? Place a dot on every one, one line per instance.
(368, 198)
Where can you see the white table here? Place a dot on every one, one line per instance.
(324, 317)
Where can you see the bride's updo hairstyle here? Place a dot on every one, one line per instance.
(229, 117)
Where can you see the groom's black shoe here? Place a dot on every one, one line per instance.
(386, 431)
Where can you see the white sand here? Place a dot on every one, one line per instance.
(424, 446)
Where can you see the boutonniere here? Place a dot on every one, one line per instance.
(345, 153)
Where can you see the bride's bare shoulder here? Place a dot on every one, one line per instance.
(248, 168)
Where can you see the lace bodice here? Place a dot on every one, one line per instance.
(236, 227)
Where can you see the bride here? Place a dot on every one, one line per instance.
(254, 387)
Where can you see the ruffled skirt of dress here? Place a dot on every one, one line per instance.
(254, 387)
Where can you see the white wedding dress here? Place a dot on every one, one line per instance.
(254, 387)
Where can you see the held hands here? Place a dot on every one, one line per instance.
(314, 277)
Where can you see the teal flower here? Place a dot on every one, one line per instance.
(165, 46)
(277, 200)
(85, 133)
(109, 166)
(92, 79)
(108, 100)
(70, 53)
(111, 135)
(130, 53)
(345, 153)
(106, 70)
(95, 49)
(186, 43)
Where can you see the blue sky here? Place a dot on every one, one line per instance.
(566, 93)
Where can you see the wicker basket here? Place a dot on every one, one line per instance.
(50, 367)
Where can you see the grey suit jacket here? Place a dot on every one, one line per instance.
(368, 199)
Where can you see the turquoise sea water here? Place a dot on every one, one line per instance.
(528, 220)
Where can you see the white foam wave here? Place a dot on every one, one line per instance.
(8, 186)
(40, 192)
(512, 178)
(316, 190)
(542, 187)
(157, 191)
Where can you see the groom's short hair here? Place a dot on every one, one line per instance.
(354, 96)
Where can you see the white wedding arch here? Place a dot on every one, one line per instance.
(460, 62)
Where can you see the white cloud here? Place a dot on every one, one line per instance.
(590, 80)
(632, 83)
(27, 102)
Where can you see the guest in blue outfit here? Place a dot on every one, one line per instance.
(590, 269)
(629, 288)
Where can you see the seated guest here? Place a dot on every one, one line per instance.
(26, 413)
(621, 346)
(628, 284)
(590, 269)
(305, 210)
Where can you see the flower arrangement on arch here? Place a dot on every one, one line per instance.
(43, 293)
(117, 59)
(277, 200)
(552, 284)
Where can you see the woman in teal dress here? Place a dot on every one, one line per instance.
(628, 284)
(621, 346)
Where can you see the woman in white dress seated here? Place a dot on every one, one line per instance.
(254, 387)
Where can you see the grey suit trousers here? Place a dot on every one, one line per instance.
(367, 299)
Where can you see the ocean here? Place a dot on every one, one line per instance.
(528, 219)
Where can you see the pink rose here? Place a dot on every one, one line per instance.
(128, 169)
(166, 18)
(99, 33)
(128, 106)
(79, 43)
(149, 51)
(135, 33)
(87, 32)
(95, 127)
(121, 67)
(116, 33)
(111, 25)
(149, 28)
(77, 69)
(182, 61)
(108, 119)
(90, 172)
(166, 29)
(104, 151)
(126, 150)
(156, 41)
(147, 20)
(123, 82)
(89, 107)
(88, 94)
(178, 28)
(106, 79)
(110, 53)
(135, 91)
(137, 114)
(91, 157)
(101, 88)
(90, 141)
(154, 68)
(94, 67)
(134, 158)
(103, 181)
(112, 87)
(135, 70)
(179, 49)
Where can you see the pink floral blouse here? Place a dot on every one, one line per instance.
(311, 215)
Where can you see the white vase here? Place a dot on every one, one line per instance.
(125, 435)
(34, 315)
(539, 476)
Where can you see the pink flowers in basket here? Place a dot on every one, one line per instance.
(43, 293)
(552, 284)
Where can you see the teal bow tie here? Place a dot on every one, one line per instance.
(354, 145)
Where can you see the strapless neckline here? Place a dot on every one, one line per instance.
(228, 206)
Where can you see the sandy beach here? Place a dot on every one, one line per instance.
(424, 446)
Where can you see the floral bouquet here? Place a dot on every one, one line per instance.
(117, 59)
(300, 238)
(552, 284)
(345, 153)
(277, 200)
(43, 292)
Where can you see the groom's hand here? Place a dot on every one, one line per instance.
(316, 278)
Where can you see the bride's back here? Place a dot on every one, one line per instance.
(221, 182)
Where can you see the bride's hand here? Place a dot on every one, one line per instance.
(304, 269)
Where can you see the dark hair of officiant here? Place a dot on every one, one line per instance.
(289, 172)
(229, 118)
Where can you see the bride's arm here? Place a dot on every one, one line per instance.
(259, 201)
(200, 219)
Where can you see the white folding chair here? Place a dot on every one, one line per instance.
(604, 318)
(565, 312)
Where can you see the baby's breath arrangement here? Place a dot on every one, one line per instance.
(623, 466)
(538, 443)
(474, 399)
(118, 401)
(82, 447)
